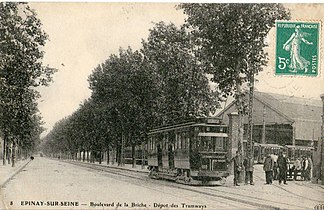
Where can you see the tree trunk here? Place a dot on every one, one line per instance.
(118, 156)
(83, 155)
(8, 155)
(108, 156)
(100, 157)
(13, 154)
(122, 154)
(19, 153)
(113, 156)
(133, 156)
(4, 150)
(143, 155)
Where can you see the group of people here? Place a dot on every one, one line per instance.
(302, 166)
(240, 164)
(275, 167)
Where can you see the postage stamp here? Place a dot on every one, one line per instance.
(297, 48)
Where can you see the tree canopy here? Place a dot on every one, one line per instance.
(21, 70)
(230, 39)
(168, 80)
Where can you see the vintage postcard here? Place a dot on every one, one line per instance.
(179, 106)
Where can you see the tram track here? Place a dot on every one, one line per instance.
(303, 185)
(293, 193)
(142, 178)
(246, 200)
(298, 195)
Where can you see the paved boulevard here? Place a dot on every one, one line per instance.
(50, 184)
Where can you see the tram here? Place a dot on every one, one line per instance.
(294, 152)
(193, 153)
(262, 150)
(139, 156)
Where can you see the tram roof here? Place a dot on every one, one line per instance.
(212, 121)
(299, 147)
(269, 145)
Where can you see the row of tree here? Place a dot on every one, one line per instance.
(21, 71)
(167, 80)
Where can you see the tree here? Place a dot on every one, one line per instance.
(124, 89)
(230, 41)
(183, 87)
(21, 70)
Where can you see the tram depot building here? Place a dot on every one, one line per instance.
(280, 119)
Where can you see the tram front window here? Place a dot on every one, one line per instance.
(212, 143)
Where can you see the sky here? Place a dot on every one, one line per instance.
(83, 35)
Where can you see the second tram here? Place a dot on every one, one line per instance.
(293, 152)
(192, 153)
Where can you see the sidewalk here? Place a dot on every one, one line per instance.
(7, 171)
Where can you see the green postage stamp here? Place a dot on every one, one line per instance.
(297, 48)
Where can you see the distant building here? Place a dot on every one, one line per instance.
(281, 119)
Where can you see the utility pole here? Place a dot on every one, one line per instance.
(263, 126)
(250, 117)
(240, 118)
(322, 144)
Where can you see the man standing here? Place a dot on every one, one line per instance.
(238, 166)
(248, 165)
(275, 167)
(268, 168)
(282, 165)
(310, 168)
(297, 168)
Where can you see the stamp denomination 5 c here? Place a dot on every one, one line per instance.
(297, 48)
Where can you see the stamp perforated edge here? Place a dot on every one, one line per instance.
(274, 40)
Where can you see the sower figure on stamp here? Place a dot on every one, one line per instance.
(238, 167)
(293, 44)
(248, 165)
(282, 165)
(268, 168)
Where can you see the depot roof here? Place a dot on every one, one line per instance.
(303, 113)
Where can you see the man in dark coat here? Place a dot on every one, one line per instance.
(268, 168)
(248, 165)
(238, 167)
(282, 166)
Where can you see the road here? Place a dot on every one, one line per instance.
(51, 184)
